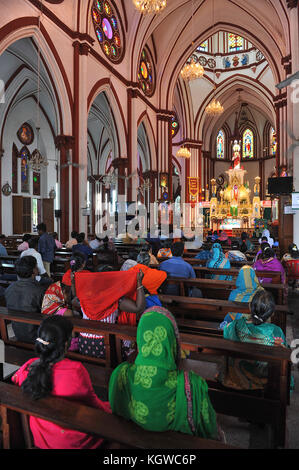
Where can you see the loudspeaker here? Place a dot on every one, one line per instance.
(283, 185)
(58, 213)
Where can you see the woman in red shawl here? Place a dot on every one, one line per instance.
(107, 297)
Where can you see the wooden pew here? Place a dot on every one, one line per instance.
(72, 415)
(268, 407)
(203, 271)
(216, 289)
(214, 309)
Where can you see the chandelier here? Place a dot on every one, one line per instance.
(192, 71)
(183, 152)
(36, 160)
(150, 6)
(214, 108)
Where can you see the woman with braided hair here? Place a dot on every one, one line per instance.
(52, 374)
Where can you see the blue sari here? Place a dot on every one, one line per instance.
(247, 285)
(219, 261)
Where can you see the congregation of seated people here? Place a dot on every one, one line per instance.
(148, 387)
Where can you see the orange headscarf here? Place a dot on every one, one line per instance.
(153, 278)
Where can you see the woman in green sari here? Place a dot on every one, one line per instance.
(153, 392)
(242, 374)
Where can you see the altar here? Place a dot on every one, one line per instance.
(232, 207)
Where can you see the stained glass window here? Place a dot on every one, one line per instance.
(24, 155)
(107, 29)
(175, 126)
(36, 183)
(203, 47)
(220, 145)
(235, 43)
(248, 144)
(273, 141)
(146, 74)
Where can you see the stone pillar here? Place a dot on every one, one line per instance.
(65, 144)
(164, 139)
(79, 172)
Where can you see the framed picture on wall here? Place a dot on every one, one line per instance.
(25, 134)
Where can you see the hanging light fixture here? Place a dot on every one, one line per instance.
(183, 152)
(214, 108)
(192, 70)
(150, 6)
(36, 159)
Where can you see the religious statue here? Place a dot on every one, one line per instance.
(236, 155)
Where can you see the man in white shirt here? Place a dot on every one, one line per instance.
(32, 251)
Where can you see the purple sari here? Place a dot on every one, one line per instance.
(272, 264)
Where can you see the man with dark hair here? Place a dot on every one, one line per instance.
(46, 247)
(25, 295)
(82, 246)
(32, 251)
(177, 267)
(3, 251)
(234, 253)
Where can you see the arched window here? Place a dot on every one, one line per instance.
(248, 144)
(146, 74)
(175, 126)
(220, 145)
(25, 155)
(273, 142)
(235, 42)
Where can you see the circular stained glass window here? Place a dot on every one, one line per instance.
(108, 29)
(145, 73)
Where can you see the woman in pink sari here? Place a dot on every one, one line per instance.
(50, 373)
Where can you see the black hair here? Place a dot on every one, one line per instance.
(53, 334)
(166, 243)
(264, 238)
(2, 236)
(26, 237)
(265, 245)
(144, 258)
(74, 234)
(177, 249)
(42, 227)
(268, 253)
(80, 237)
(235, 245)
(33, 242)
(243, 247)
(105, 269)
(244, 235)
(55, 235)
(25, 266)
(146, 248)
(132, 255)
(262, 306)
(77, 261)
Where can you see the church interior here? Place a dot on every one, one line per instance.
(149, 163)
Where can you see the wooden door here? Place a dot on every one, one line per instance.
(17, 210)
(48, 214)
(285, 226)
(27, 215)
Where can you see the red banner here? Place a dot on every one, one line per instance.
(193, 186)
